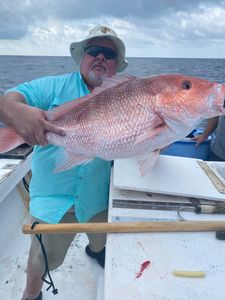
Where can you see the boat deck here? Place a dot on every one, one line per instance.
(82, 278)
(144, 265)
(77, 278)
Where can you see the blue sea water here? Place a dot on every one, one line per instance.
(18, 69)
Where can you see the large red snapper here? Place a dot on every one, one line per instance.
(128, 117)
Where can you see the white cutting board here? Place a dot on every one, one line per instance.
(172, 175)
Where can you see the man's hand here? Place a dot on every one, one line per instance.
(29, 122)
(32, 125)
(200, 138)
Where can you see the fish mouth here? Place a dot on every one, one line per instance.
(216, 98)
(220, 89)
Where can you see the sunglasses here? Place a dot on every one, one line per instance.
(96, 50)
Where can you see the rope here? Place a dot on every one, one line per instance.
(50, 281)
(26, 185)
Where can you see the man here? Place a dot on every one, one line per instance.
(217, 152)
(76, 195)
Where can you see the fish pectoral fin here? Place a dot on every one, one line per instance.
(148, 134)
(147, 161)
(9, 139)
(68, 160)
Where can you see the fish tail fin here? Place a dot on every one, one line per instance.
(9, 139)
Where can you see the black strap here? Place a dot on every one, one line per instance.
(50, 281)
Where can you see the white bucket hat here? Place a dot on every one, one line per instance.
(77, 48)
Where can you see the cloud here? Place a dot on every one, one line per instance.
(12, 25)
(148, 27)
(17, 15)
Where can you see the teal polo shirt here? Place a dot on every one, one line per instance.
(85, 186)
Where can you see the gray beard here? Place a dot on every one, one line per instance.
(97, 81)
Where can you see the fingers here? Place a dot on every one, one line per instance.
(31, 124)
(55, 129)
(40, 136)
(197, 144)
(37, 138)
(36, 134)
(199, 139)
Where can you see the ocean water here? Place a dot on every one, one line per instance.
(18, 69)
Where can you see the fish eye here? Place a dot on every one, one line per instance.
(186, 85)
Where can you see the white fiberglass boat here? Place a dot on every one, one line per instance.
(77, 278)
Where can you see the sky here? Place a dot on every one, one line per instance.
(161, 28)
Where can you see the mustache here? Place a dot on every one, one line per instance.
(99, 65)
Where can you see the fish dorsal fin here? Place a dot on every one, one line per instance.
(109, 82)
(113, 81)
(58, 112)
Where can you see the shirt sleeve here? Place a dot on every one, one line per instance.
(38, 93)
